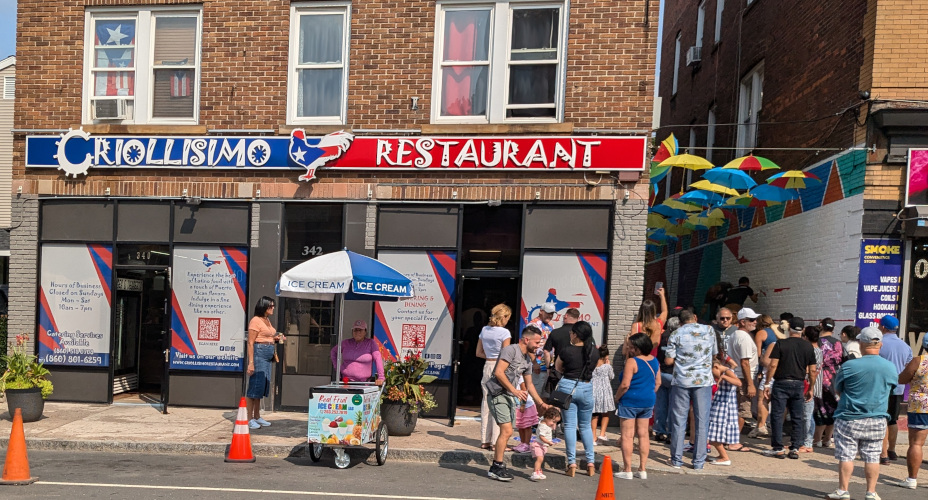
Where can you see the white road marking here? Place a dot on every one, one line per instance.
(246, 490)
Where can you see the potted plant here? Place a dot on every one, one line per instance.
(25, 382)
(405, 395)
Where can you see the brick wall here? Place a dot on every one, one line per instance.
(896, 35)
(626, 278)
(812, 53)
(23, 268)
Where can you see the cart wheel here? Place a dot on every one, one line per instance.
(382, 443)
(315, 452)
(342, 459)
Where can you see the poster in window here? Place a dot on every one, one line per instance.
(880, 281)
(568, 280)
(916, 192)
(208, 308)
(423, 324)
(75, 301)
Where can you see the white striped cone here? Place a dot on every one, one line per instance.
(240, 449)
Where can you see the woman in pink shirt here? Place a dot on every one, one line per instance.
(360, 356)
(261, 351)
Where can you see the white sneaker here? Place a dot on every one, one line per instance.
(264, 423)
(906, 483)
(871, 495)
(253, 424)
(757, 432)
(641, 474)
(720, 462)
(623, 475)
(538, 476)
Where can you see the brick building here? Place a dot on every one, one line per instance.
(493, 152)
(837, 91)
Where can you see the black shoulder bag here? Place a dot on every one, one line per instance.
(562, 399)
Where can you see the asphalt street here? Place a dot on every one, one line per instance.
(139, 477)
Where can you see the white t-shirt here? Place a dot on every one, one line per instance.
(741, 346)
(492, 338)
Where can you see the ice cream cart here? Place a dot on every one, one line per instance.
(341, 414)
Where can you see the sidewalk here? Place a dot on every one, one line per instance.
(142, 428)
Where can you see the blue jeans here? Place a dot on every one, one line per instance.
(662, 406)
(809, 423)
(787, 394)
(680, 399)
(581, 407)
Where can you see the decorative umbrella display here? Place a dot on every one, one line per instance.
(705, 221)
(655, 221)
(681, 205)
(748, 201)
(660, 235)
(715, 188)
(667, 149)
(767, 192)
(705, 198)
(680, 230)
(730, 178)
(751, 163)
(670, 213)
(793, 179)
(688, 161)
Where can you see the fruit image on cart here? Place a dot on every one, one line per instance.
(343, 414)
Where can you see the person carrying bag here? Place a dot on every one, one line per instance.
(575, 393)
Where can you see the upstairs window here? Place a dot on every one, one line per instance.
(318, 83)
(749, 104)
(719, 9)
(142, 66)
(501, 62)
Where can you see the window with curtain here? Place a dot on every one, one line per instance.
(749, 104)
(143, 66)
(319, 64)
(500, 62)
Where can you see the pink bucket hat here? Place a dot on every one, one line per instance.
(360, 324)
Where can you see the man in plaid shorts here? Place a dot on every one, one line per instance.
(864, 385)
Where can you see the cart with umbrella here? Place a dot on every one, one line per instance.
(345, 414)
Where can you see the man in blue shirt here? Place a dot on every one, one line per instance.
(863, 385)
(897, 352)
(690, 350)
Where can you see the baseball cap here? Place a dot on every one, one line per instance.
(549, 308)
(890, 323)
(360, 324)
(870, 335)
(796, 324)
(747, 313)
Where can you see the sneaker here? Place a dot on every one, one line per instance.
(499, 473)
(839, 495)
(253, 424)
(892, 455)
(522, 448)
(781, 453)
(721, 462)
(623, 475)
(905, 483)
(676, 466)
(688, 448)
(642, 474)
(817, 444)
(264, 423)
(871, 495)
(793, 454)
(538, 476)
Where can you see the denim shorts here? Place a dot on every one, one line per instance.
(918, 420)
(632, 413)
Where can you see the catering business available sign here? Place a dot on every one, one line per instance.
(76, 151)
(879, 282)
(208, 329)
(423, 324)
(75, 300)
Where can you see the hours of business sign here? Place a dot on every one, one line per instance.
(76, 152)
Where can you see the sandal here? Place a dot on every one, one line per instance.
(591, 470)
(571, 470)
(486, 446)
(743, 447)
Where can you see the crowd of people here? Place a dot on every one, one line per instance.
(700, 387)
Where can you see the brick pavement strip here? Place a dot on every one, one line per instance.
(143, 429)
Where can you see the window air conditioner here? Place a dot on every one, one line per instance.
(693, 55)
(110, 109)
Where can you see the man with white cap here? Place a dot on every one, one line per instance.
(863, 385)
(742, 348)
(897, 352)
(792, 364)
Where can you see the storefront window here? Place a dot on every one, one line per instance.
(142, 255)
(312, 229)
(310, 327)
(491, 237)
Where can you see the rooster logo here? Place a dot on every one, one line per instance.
(209, 263)
(314, 153)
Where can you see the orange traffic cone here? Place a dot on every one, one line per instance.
(606, 488)
(240, 449)
(16, 467)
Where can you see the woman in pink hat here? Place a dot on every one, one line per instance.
(360, 357)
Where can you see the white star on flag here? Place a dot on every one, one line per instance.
(299, 155)
(116, 35)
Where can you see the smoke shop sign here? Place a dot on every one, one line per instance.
(76, 151)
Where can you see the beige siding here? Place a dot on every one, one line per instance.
(6, 149)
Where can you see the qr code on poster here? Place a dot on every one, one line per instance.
(413, 336)
(208, 329)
